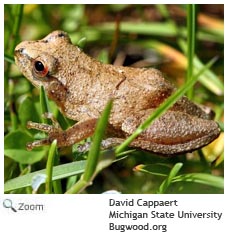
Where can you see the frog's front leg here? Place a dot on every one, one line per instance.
(74, 134)
(173, 133)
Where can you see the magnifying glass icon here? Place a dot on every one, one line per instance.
(7, 203)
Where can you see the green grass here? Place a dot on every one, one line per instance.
(51, 170)
(191, 40)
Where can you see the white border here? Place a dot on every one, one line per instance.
(95, 218)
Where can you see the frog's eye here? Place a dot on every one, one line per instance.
(40, 69)
(38, 65)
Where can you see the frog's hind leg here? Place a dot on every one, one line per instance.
(173, 133)
(165, 149)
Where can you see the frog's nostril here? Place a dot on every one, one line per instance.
(19, 50)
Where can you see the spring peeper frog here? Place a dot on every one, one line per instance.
(81, 86)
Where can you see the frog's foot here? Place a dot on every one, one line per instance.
(111, 142)
(83, 148)
(105, 144)
(72, 135)
(45, 127)
(50, 129)
(37, 143)
(55, 123)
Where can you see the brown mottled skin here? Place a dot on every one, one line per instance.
(81, 86)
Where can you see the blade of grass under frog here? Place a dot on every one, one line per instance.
(59, 172)
(165, 184)
(157, 169)
(201, 178)
(94, 152)
(49, 166)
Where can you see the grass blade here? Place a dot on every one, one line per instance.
(201, 178)
(49, 166)
(94, 152)
(163, 187)
(59, 172)
(9, 58)
(191, 39)
(209, 79)
(158, 169)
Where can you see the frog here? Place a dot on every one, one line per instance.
(81, 86)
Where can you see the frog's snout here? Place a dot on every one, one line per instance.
(21, 55)
(19, 51)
